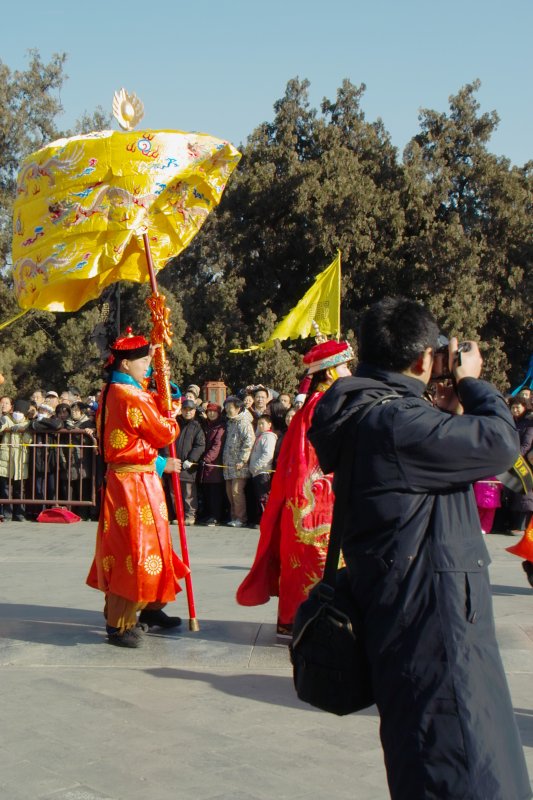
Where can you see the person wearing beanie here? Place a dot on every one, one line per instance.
(14, 459)
(295, 525)
(51, 398)
(134, 563)
(194, 389)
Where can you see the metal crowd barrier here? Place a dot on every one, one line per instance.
(48, 469)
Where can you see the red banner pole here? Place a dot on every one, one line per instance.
(161, 335)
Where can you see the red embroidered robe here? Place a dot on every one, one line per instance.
(134, 556)
(295, 525)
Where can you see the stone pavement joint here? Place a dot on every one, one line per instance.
(210, 715)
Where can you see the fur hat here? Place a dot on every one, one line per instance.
(326, 355)
(194, 389)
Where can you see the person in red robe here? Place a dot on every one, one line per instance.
(296, 522)
(134, 562)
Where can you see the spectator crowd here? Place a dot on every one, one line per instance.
(228, 455)
(228, 452)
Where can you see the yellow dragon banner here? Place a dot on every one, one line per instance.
(84, 203)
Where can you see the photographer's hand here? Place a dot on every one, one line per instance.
(446, 398)
(467, 363)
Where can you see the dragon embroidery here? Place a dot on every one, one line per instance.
(311, 536)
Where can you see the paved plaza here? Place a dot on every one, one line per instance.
(210, 715)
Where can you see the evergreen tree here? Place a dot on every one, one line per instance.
(448, 224)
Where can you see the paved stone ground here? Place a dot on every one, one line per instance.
(210, 715)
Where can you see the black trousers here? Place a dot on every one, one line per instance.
(261, 484)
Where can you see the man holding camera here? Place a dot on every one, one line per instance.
(416, 557)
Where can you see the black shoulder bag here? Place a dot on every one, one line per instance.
(330, 667)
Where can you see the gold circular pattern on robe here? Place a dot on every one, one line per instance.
(153, 565)
(135, 417)
(529, 534)
(121, 516)
(163, 510)
(106, 525)
(129, 564)
(108, 562)
(146, 515)
(118, 439)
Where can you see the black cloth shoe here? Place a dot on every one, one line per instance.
(158, 619)
(130, 638)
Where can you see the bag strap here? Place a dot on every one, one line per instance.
(329, 578)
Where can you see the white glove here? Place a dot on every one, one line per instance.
(187, 464)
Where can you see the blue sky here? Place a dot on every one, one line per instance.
(219, 66)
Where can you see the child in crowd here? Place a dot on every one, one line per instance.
(261, 461)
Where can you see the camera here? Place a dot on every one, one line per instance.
(441, 369)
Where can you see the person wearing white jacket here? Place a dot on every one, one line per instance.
(261, 461)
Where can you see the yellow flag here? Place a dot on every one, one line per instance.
(320, 304)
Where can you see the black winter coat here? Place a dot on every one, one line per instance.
(190, 446)
(524, 426)
(418, 568)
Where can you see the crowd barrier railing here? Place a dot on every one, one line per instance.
(48, 469)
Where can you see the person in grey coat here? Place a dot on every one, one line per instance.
(238, 445)
(417, 560)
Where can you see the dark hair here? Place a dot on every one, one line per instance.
(79, 404)
(394, 332)
(267, 417)
(277, 413)
(61, 407)
(316, 378)
(237, 402)
(260, 389)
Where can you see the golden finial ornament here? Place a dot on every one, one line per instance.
(128, 110)
(320, 337)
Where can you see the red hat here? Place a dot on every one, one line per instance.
(130, 346)
(326, 355)
(213, 407)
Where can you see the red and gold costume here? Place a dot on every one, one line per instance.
(296, 522)
(134, 559)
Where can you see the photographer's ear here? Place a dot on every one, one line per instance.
(423, 365)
